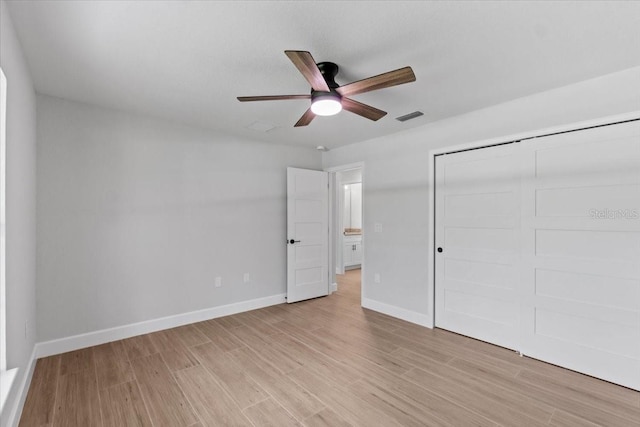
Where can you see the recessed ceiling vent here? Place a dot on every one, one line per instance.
(410, 116)
(261, 126)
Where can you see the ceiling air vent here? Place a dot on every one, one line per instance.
(410, 116)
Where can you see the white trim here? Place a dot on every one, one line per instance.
(333, 209)
(333, 288)
(63, 345)
(398, 312)
(338, 225)
(3, 218)
(7, 376)
(343, 168)
(486, 143)
(21, 394)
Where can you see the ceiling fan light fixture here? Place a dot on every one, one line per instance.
(328, 98)
(326, 104)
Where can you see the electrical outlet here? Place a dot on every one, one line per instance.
(376, 277)
(218, 281)
(378, 227)
(246, 278)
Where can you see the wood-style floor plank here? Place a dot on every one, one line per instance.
(326, 418)
(163, 397)
(112, 364)
(406, 413)
(592, 399)
(583, 382)
(218, 335)
(210, 401)
(354, 410)
(139, 346)
(174, 352)
(487, 406)
(189, 335)
(41, 398)
(543, 395)
(77, 400)
(317, 363)
(297, 399)
(256, 323)
(269, 413)
(267, 349)
(243, 389)
(564, 419)
(228, 322)
(452, 412)
(122, 406)
(74, 361)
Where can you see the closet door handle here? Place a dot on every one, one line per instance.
(294, 241)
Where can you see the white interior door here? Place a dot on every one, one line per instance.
(477, 241)
(307, 234)
(581, 251)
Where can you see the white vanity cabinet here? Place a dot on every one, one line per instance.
(352, 250)
(352, 223)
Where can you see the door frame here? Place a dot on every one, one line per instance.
(335, 224)
(474, 145)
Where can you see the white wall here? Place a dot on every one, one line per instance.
(21, 207)
(396, 178)
(350, 177)
(137, 216)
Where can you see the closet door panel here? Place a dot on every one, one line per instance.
(478, 229)
(580, 273)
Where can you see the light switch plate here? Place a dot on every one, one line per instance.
(378, 227)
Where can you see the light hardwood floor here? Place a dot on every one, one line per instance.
(323, 362)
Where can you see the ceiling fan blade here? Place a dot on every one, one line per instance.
(381, 81)
(305, 119)
(305, 63)
(272, 97)
(363, 110)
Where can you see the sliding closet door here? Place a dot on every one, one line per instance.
(541, 248)
(477, 231)
(581, 251)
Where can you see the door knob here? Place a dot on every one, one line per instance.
(439, 249)
(294, 241)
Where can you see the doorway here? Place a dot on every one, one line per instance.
(347, 237)
(349, 286)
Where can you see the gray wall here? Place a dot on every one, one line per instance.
(21, 205)
(137, 216)
(396, 180)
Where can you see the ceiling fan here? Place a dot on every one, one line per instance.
(329, 98)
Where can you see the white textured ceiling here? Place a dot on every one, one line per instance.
(188, 60)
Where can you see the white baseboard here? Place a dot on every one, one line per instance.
(63, 345)
(333, 288)
(400, 313)
(21, 393)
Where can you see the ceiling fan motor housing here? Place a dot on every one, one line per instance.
(329, 71)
